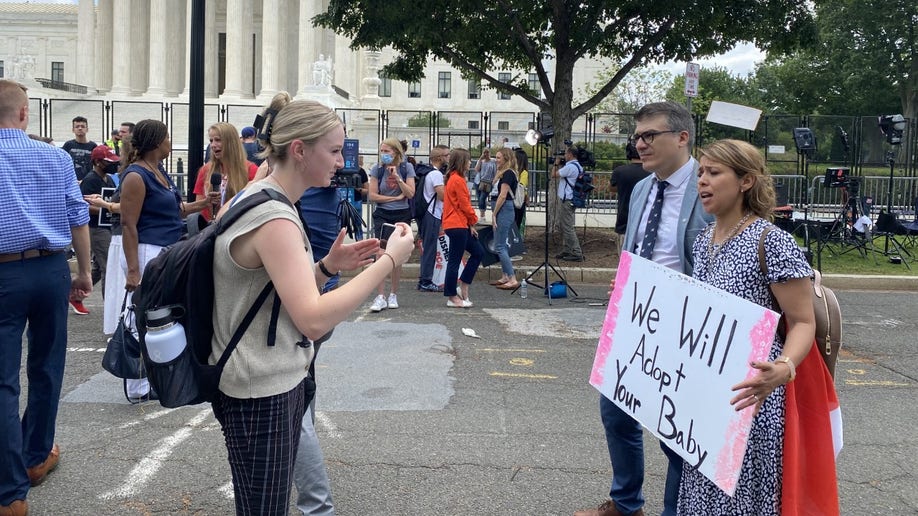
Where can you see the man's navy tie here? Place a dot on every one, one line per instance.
(653, 222)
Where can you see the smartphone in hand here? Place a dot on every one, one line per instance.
(384, 234)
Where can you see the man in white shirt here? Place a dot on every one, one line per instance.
(567, 176)
(430, 223)
(669, 197)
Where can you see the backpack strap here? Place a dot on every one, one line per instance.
(571, 185)
(244, 325)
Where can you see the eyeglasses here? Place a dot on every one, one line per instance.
(648, 136)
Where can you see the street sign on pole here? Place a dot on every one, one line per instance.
(692, 72)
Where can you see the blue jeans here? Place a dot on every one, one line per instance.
(460, 241)
(482, 199)
(430, 232)
(36, 292)
(625, 439)
(505, 220)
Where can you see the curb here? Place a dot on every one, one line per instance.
(602, 276)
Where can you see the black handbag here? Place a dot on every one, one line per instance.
(122, 355)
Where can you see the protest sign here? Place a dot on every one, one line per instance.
(671, 348)
(442, 259)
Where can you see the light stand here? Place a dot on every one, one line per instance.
(533, 138)
(893, 127)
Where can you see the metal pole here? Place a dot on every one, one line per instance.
(196, 96)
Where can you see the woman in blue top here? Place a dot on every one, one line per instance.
(151, 211)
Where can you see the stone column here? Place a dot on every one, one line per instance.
(177, 56)
(160, 36)
(140, 42)
(274, 35)
(211, 79)
(121, 47)
(85, 59)
(238, 49)
(309, 42)
(103, 54)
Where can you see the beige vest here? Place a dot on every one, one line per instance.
(254, 369)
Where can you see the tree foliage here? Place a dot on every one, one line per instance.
(864, 61)
(481, 38)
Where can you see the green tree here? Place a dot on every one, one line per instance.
(865, 61)
(716, 83)
(550, 36)
(641, 86)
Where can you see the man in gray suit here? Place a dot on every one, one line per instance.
(664, 218)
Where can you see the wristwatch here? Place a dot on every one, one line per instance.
(790, 364)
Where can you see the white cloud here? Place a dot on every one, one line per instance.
(739, 61)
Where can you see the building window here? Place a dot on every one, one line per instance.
(385, 85)
(505, 78)
(534, 85)
(444, 85)
(473, 124)
(414, 90)
(1, 70)
(503, 126)
(57, 71)
(474, 89)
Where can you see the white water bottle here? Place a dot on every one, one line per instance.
(523, 293)
(165, 337)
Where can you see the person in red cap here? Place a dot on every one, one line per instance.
(104, 166)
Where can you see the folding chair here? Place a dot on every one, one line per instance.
(889, 227)
(911, 238)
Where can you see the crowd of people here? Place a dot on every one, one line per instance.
(701, 217)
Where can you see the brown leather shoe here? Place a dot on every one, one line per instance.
(607, 508)
(37, 474)
(17, 508)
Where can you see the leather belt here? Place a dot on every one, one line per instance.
(26, 255)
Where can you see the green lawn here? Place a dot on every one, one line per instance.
(839, 259)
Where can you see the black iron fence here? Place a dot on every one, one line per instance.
(887, 173)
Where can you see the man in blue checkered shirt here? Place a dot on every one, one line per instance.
(43, 214)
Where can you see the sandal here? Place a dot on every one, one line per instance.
(509, 286)
(497, 282)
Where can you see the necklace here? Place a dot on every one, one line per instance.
(715, 249)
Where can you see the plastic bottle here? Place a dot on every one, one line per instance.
(523, 293)
(165, 337)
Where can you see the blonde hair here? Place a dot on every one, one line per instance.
(13, 97)
(288, 120)
(746, 160)
(232, 163)
(509, 162)
(398, 154)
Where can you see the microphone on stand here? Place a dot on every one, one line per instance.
(215, 180)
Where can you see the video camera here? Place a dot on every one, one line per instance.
(584, 157)
(837, 177)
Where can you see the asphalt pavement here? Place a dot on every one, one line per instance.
(415, 417)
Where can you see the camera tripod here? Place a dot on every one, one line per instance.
(842, 237)
(546, 265)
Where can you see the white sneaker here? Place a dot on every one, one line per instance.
(379, 304)
(393, 301)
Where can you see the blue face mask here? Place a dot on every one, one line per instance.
(386, 159)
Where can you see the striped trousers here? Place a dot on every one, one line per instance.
(262, 435)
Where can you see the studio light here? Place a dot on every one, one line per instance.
(534, 136)
(892, 126)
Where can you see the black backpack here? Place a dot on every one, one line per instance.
(581, 188)
(181, 278)
(419, 204)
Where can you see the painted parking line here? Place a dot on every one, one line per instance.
(523, 375)
(146, 469)
(511, 350)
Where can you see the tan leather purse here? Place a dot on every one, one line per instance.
(826, 308)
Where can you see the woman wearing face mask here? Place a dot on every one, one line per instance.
(391, 185)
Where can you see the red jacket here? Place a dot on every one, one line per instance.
(457, 204)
